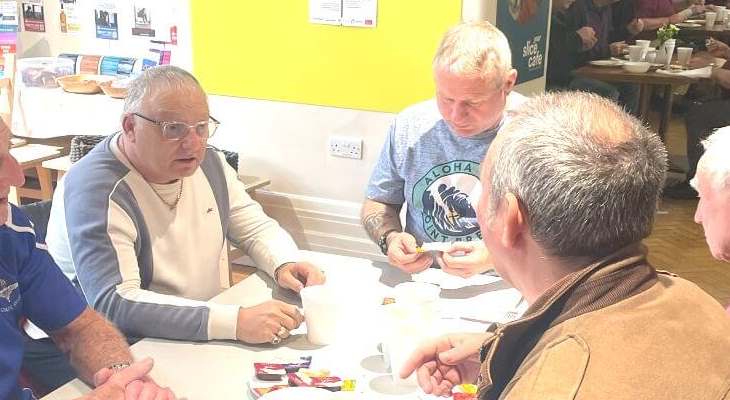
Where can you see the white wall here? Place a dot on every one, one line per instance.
(316, 197)
(52, 42)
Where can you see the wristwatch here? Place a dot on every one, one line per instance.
(383, 241)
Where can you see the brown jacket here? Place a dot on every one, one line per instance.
(615, 330)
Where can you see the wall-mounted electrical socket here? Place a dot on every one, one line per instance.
(345, 146)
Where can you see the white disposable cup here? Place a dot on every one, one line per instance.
(644, 43)
(636, 52)
(409, 322)
(669, 50)
(710, 18)
(650, 56)
(321, 312)
(683, 55)
(407, 325)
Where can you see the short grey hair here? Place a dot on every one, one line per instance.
(715, 161)
(587, 173)
(164, 76)
(475, 48)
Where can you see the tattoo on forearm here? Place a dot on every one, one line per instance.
(378, 223)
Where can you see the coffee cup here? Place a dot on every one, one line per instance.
(636, 52)
(710, 18)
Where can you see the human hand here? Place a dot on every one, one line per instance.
(297, 275)
(128, 384)
(636, 26)
(465, 259)
(446, 361)
(587, 37)
(402, 253)
(700, 60)
(267, 321)
(700, 8)
(617, 48)
(718, 48)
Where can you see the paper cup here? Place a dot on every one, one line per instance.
(683, 55)
(644, 43)
(636, 53)
(321, 312)
(710, 18)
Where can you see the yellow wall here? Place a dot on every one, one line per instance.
(267, 49)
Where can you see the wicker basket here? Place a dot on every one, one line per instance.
(111, 91)
(81, 145)
(84, 84)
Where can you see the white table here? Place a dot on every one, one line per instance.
(221, 369)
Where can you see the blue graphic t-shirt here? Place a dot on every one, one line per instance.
(32, 286)
(435, 172)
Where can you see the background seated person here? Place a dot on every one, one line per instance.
(582, 32)
(705, 115)
(656, 13)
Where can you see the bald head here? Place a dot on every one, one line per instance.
(587, 174)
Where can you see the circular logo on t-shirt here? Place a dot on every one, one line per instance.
(447, 196)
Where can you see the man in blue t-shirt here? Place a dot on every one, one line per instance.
(33, 287)
(431, 156)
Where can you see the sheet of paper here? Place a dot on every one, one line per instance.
(327, 12)
(446, 281)
(363, 13)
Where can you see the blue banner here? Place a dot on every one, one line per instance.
(525, 24)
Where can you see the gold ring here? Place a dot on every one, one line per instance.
(281, 332)
(275, 340)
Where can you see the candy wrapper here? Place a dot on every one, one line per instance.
(464, 392)
(320, 379)
(277, 370)
(260, 390)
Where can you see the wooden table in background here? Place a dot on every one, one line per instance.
(646, 80)
(33, 156)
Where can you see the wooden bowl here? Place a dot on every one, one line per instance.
(84, 84)
(111, 91)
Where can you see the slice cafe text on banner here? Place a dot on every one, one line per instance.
(525, 24)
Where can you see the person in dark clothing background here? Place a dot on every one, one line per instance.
(586, 30)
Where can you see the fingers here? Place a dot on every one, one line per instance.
(133, 390)
(102, 376)
(134, 372)
(288, 280)
(402, 253)
(423, 376)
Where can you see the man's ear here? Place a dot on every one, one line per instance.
(510, 81)
(513, 221)
(128, 126)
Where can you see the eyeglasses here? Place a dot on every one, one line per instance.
(173, 130)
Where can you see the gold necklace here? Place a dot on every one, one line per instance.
(172, 205)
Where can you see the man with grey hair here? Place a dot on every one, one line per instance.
(430, 159)
(141, 223)
(570, 189)
(712, 182)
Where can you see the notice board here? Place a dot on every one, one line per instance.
(268, 50)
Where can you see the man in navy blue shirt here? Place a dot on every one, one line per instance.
(33, 287)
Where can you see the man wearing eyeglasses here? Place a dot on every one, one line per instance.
(140, 224)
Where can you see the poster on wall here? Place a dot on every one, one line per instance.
(525, 24)
(106, 20)
(8, 16)
(33, 18)
(142, 19)
(69, 17)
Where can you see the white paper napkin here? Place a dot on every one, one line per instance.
(704, 72)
